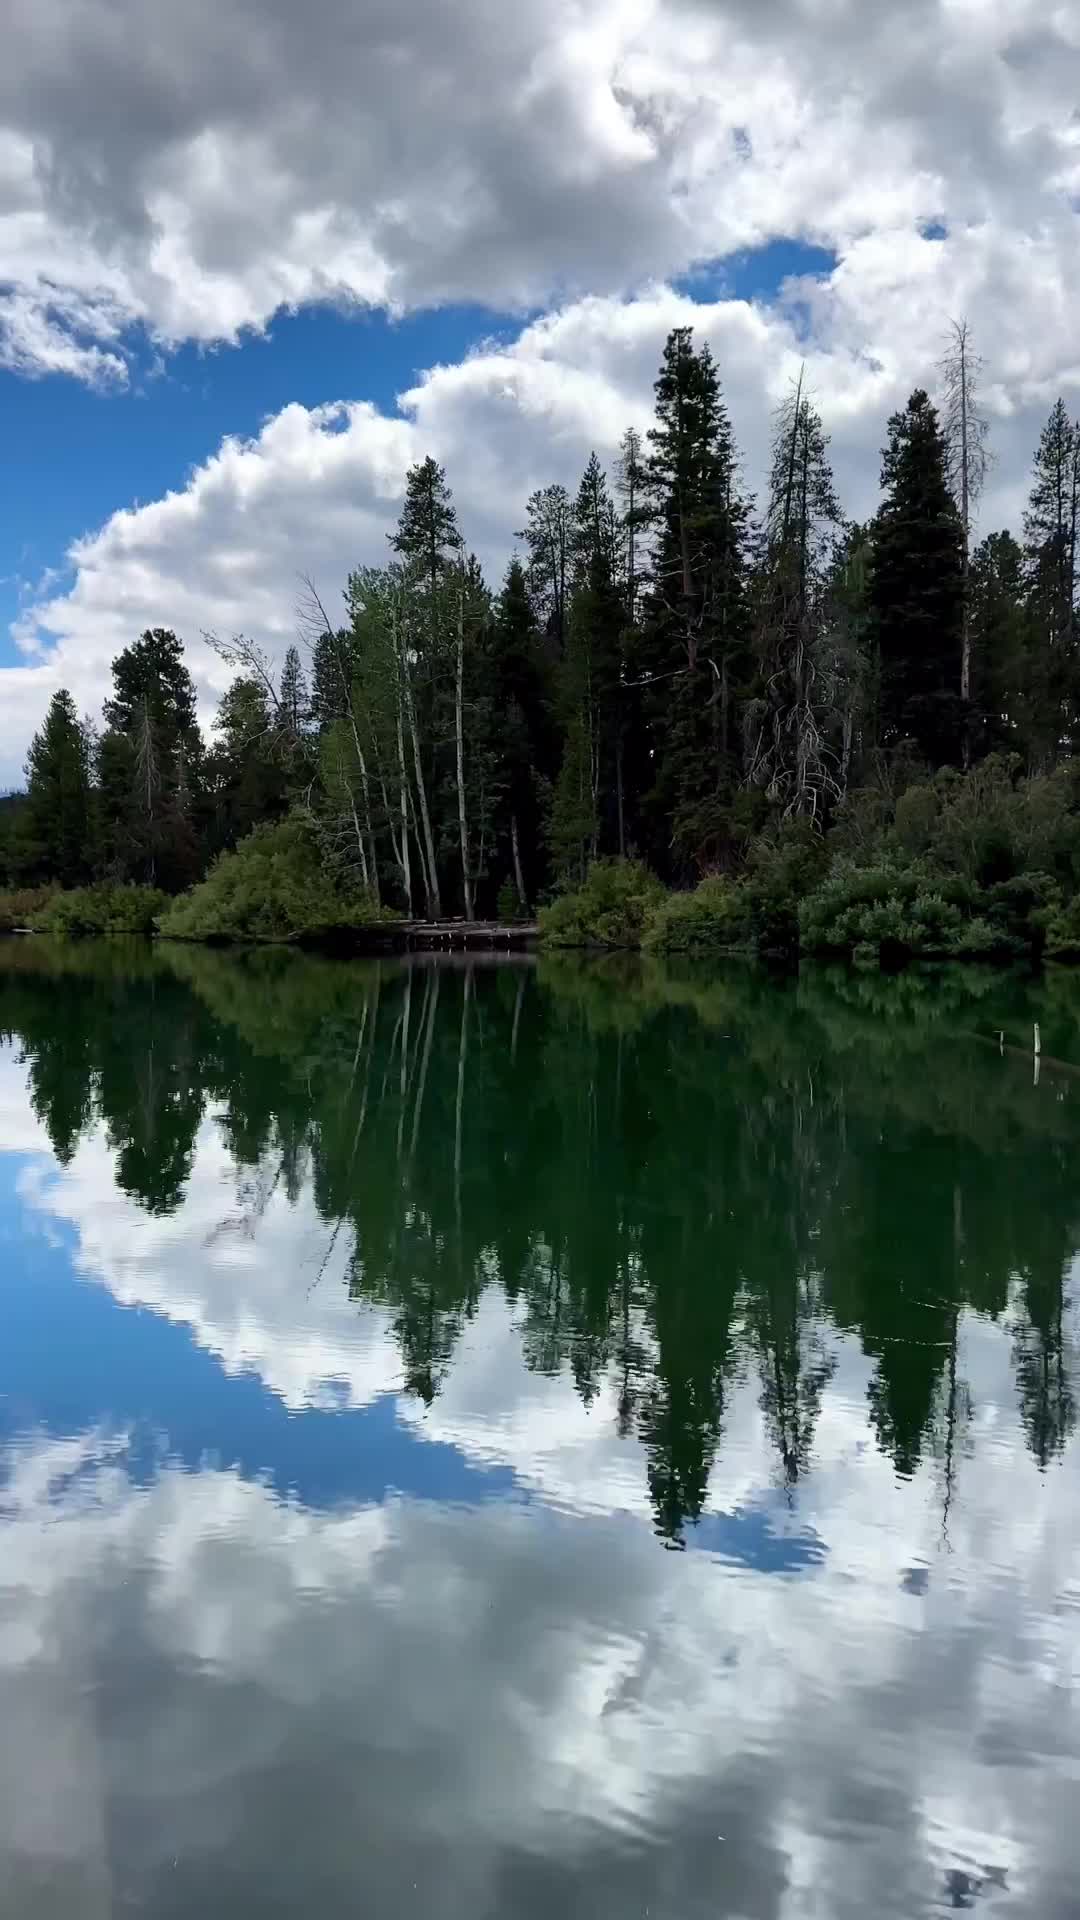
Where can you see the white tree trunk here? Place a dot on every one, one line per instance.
(459, 730)
(519, 878)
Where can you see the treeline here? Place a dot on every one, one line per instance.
(663, 1230)
(667, 671)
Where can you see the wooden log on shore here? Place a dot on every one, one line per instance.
(466, 933)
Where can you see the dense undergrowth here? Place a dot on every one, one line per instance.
(273, 887)
(982, 866)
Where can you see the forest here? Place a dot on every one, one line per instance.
(684, 719)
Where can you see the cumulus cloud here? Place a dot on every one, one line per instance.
(197, 168)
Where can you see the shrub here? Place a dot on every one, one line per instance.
(1063, 932)
(87, 911)
(781, 872)
(273, 887)
(901, 911)
(612, 909)
(712, 918)
(23, 906)
(508, 906)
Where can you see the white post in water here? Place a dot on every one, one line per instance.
(1038, 1051)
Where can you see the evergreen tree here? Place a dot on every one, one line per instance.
(917, 591)
(1050, 535)
(427, 536)
(294, 701)
(57, 822)
(598, 623)
(152, 830)
(245, 767)
(695, 650)
(852, 657)
(548, 534)
(522, 701)
(1004, 697)
(791, 721)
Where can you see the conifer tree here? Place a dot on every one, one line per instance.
(790, 723)
(917, 591)
(58, 822)
(695, 651)
(1050, 543)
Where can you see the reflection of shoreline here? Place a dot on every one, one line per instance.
(672, 1181)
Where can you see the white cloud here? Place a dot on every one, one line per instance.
(197, 168)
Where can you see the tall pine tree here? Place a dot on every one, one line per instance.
(58, 824)
(695, 651)
(917, 591)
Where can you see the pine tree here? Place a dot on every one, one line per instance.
(1050, 536)
(791, 755)
(917, 591)
(573, 829)
(522, 699)
(294, 701)
(430, 545)
(152, 831)
(245, 771)
(427, 536)
(694, 652)
(1004, 698)
(58, 816)
(548, 534)
(631, 489)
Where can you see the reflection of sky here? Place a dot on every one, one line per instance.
(261, 1655)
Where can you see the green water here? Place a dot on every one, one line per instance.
(495, 1440)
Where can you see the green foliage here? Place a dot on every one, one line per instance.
(508, 906)
(86, 911)
(58, 828)
(272, 888)
(23, 906)
(713, 918)
(611, 909)
(1063, 932)
(892, 913)
(917, 590)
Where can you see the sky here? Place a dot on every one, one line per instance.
(254, 262)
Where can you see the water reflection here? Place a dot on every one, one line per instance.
(365, 1325)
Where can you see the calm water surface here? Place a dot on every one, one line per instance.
(498, 1442)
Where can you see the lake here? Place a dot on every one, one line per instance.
(502, 1440)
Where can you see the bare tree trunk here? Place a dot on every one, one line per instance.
(406, 859)
(619, 802)
(459, 730)
(515, 849)
(364, 872)
(432, 875)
